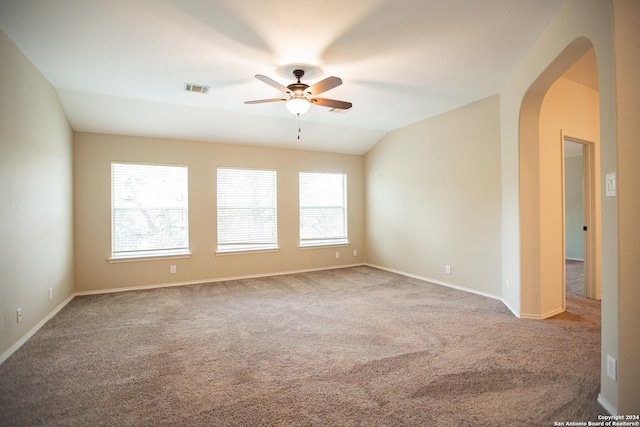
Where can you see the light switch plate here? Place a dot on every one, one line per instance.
(611, 185)
(612, 368)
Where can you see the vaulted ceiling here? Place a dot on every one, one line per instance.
(119, 66)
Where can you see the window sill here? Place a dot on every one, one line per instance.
(246, 251)
(136, 258)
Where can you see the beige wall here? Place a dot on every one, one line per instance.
(433, 198)
(93, 154)
(36, 244)
(627, 56)
(572, 109)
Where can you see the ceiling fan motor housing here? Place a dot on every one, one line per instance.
(298, 88)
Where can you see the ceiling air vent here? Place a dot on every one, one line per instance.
(192, 87)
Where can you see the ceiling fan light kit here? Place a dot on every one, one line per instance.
(298, 105)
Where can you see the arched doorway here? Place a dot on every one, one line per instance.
(544, 122)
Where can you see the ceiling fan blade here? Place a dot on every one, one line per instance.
(262, 101)
(324, 85)
(332, 103)
(273, 83)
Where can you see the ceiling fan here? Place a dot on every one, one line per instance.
(301, 95)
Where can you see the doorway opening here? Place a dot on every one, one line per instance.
(580, 244)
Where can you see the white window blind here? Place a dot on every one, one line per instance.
(323, 208)
(247, 210)
(150, 210)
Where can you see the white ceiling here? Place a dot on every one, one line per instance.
(119, 66)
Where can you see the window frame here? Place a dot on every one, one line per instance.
(327, 240)
(247, 247)
(149, 253)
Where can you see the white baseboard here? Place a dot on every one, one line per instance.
(438, 282)
(450, 285)
(612, 410)
(542, 316)
(511, 309)
(220, 279)
(7, 354)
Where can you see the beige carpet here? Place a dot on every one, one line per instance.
(349, 347)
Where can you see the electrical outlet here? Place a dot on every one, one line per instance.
(355, 252)
(612, 368)
(19, 315)
(173, 269)
(50, 294)
(337, 255)
(447, 269)
(507, 283)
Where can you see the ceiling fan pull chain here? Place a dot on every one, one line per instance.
(299, 130)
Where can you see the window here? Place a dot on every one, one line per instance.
(323, 209)
(247, 210)
(149, 210)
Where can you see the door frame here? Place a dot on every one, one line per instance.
(590, 212)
